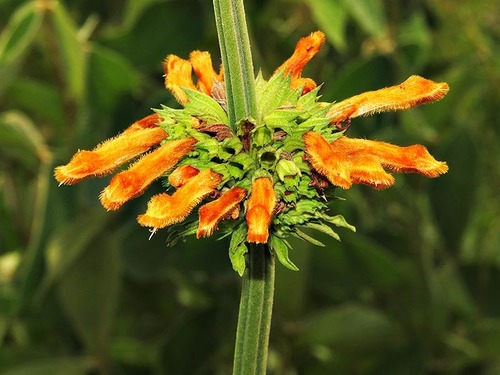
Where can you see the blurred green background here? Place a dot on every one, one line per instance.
(415, 291)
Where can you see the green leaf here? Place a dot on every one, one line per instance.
(41, 98)
(453, 194)
(369, 14)
(21, 140)
(339, 221)
(351, 328)
(110, 75)
(54, 366)
(238, 249)
(324, 229)
(88, 292)
(71, 49)
(304, 236)
(331, 17)
(16, 39)
(68, 244)
(204, 107)
(280, 248)
(415, 41)
(276, 93)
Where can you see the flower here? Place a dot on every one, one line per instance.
(259, 180)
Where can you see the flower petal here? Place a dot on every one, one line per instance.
(260, 209)
(327, 161)
(410, 159)
(132, 182)
(181, 175)
(178, 75)
(349, 160)
(106, 157)
(305, 50)
(203, 68)
(164, 210)
(412, 92)
(212, 213)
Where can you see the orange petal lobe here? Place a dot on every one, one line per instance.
(203, 68)
(349, 160)
(178, 75)
(327, 161)
(260, 210)
(412, 92)
(212, 213)
(110, 154)
(164, 210)
(181, 175)
(132, 182)
(305, 50)
(410, 159)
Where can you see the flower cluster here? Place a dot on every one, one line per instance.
(261, 179)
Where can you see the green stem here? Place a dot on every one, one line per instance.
(237, 60)
(254, 319)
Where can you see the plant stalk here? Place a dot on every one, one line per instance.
(237, 61)
(254, 318)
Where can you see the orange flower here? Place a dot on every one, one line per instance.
(218, 158)
(105, 158)
(132, 182)
(346, 161)
(260, 209)
(305, 50)
(212, 213)
(164, 209)
(412, 92)
(178, 74)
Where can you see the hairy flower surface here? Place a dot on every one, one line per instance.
(262, 179)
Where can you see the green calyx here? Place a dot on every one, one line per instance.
(270, 145)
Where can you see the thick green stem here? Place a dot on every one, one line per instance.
(254, 319)
(237, 60)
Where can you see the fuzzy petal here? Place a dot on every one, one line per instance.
(181, 175)
(260, 210)
(203, 68)
(212, 213)
(327, 161)
(410, 159)
(412, 92)
(178, 75)
(106, 157)
(305, 50)
(132, 182)
(349, 160)
(164, 210)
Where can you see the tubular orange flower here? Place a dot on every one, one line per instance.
(305, 50)
(412, 92)
(106, 157)
(132, 182)
(346, 160)
(203, 68)
(164, 210)
(260, 209)
(212, 213)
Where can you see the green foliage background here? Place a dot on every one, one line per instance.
(82, 291)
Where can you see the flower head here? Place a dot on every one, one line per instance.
(260, 180)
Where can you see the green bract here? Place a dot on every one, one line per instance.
(268, 146)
